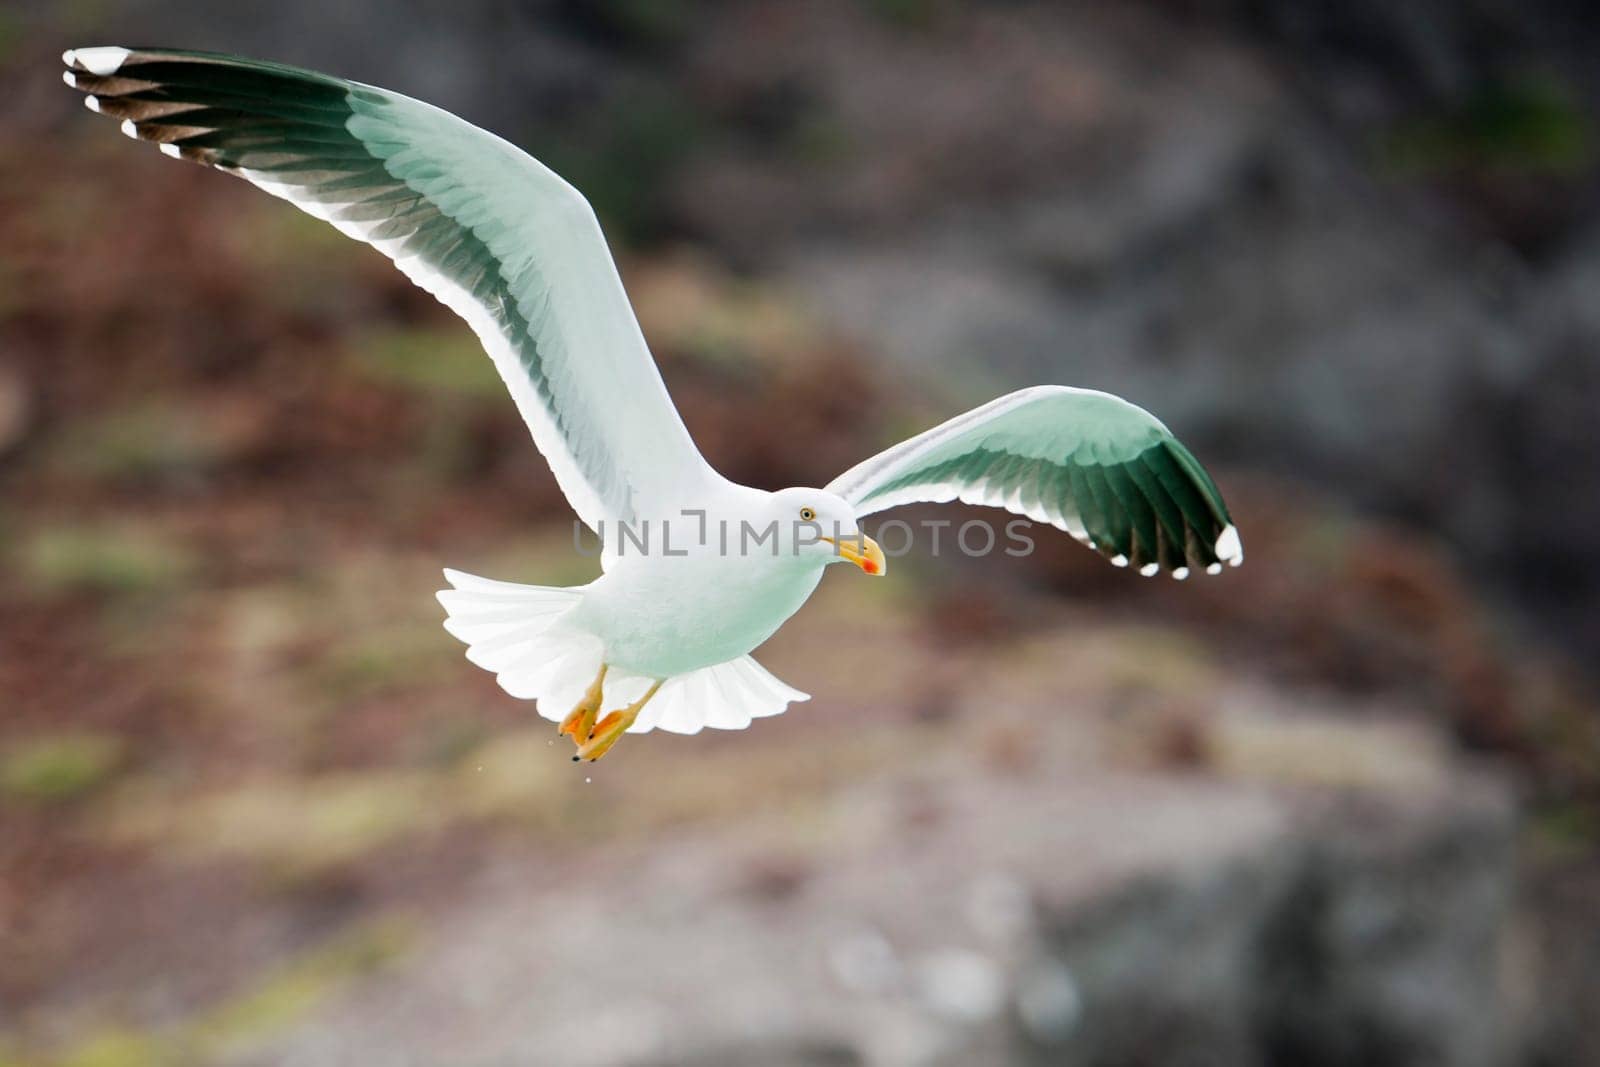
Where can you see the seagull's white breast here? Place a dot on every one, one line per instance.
(662, 616)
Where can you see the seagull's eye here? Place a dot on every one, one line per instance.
(807, 514)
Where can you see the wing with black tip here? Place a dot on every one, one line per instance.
(495, 235)
(1092, 464)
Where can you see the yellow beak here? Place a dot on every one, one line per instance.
(861, 550)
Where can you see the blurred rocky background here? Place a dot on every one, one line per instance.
(1341, 806)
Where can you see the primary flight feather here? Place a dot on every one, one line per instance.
(698, 570)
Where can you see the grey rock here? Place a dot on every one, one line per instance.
(1124, 920)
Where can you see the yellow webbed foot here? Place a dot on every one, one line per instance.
(580, 721)
(609, 730)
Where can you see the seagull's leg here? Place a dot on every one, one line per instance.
(580, 720)
(609, 730)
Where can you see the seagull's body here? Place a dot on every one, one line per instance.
(732, 604)
(698, 570)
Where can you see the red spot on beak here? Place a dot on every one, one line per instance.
(869, 566)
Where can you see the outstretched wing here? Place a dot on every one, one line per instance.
(499, 238)
(1090, 463)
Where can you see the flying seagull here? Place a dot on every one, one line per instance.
(663, 637)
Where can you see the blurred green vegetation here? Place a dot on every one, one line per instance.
(10, 34)
(116, 557)
(389, 653)
(627, 156)
(911, 14)
(156, 439)
(1531, 126)
(57, 767)
(428, 359)
(819, 140)
(646, 25)
(272, 1002)
(302, 264)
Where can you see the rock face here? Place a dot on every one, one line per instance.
(1124, 920)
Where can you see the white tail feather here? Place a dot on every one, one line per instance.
(516, 632)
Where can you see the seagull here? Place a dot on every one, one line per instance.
(697, 570)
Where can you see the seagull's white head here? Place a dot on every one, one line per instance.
(817, 524)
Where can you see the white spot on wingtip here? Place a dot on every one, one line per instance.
(92, 103)
(70, 78)
(1149, 569)
(1181, 573)
(100, 61)
(1214, 568)
(1228, 547)
(130, 129)
(171, 150)
(1119, 560)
